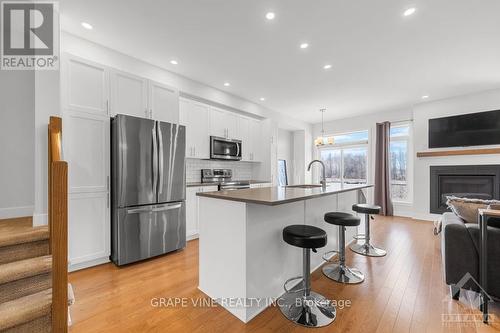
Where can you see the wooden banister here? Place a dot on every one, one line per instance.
(58, 225)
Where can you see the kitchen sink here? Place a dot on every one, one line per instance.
(305, 186)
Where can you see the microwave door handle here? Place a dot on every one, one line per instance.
(237, 149)
(160, 158)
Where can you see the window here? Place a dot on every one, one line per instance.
(399, 162)
(346, 160)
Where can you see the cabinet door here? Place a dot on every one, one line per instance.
(129, 95)
(218, 123)
(163, 102)
(256, 139)
(246, 139)
(85, 86)
(192, 212)
(184, 110)
(232, 126)
(210, 188)
(199, 116)
(88, 229)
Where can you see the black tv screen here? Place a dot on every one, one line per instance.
(473, 129)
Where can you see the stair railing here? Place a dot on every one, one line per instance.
(58, 225)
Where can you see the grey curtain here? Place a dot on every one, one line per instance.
(382, 169)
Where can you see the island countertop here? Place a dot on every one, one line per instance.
(271, 196)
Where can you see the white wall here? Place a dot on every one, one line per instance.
(17, 118)
(484, 101)
(285, 152)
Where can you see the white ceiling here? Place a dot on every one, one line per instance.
(380, 59)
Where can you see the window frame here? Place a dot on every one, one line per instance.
(342, 146)
(409, 159)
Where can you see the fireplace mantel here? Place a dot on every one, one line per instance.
(457, 152)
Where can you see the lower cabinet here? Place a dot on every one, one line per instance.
(192, 226)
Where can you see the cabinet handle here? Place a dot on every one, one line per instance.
(107, 107)
(151, 113)
(147, 113)
(194, 149)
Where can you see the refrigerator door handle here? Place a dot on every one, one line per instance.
(155, 159)
(167, 207)
(139, 210)
(160, 157)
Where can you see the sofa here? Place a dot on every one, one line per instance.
(460, 254)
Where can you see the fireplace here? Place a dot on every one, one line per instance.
(470, 181)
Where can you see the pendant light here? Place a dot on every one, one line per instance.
(322, 140)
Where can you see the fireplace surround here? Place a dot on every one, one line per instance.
(471, 181)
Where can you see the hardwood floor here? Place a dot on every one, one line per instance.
(402, 292)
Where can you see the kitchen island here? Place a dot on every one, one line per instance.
(243, 260)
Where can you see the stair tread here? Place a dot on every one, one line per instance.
(25, 268)
(18, 231)
(25, 309)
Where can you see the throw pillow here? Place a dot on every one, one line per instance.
(467, 209)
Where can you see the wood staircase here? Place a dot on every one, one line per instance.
(33, 260)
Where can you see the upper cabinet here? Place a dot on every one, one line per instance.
(195, 116)
(85, 86)
(129, 95)
(250, 134)
(163, 102)
(223, 124)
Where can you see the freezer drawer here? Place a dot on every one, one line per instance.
(148, 231)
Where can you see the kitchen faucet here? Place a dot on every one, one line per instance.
(323, 180)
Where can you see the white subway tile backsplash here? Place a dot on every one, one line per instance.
(241, 170)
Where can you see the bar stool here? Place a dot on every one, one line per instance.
(366, 248)
(337, 270)
(299, 304)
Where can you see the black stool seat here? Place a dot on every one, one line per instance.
(304, 236)
(366, 208)
(344, 219)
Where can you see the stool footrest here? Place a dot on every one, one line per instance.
(326, 254)
(290, 280)
(359, 236)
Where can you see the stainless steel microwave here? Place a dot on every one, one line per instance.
(225, 149)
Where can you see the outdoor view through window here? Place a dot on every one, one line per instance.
(346, 161)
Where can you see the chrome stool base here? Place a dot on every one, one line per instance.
(309, 311)
(343, 274)
(367, 250)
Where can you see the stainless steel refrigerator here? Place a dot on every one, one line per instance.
(148, 188)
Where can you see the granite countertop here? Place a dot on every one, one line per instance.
(193, 184)
(272, 196)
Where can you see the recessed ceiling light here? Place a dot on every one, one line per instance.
(410, 11)
(304, 46)
(87, 26)
(262, 99)
(227, 84)
(425, 96)
(270, 16)
(174, 62)
(327, 66)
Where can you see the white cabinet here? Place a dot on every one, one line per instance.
(163, 102)
(85, 86)
(250, 134)
(192, 226)
(129, 95)
(195, 116)
(223, 124)
(86, 135)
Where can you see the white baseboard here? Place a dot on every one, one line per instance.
(88, 264)
(40, 219)
(13, 212)
(191, 237)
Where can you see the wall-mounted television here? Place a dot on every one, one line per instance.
(472, 129)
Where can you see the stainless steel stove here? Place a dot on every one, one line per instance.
(223, 178)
